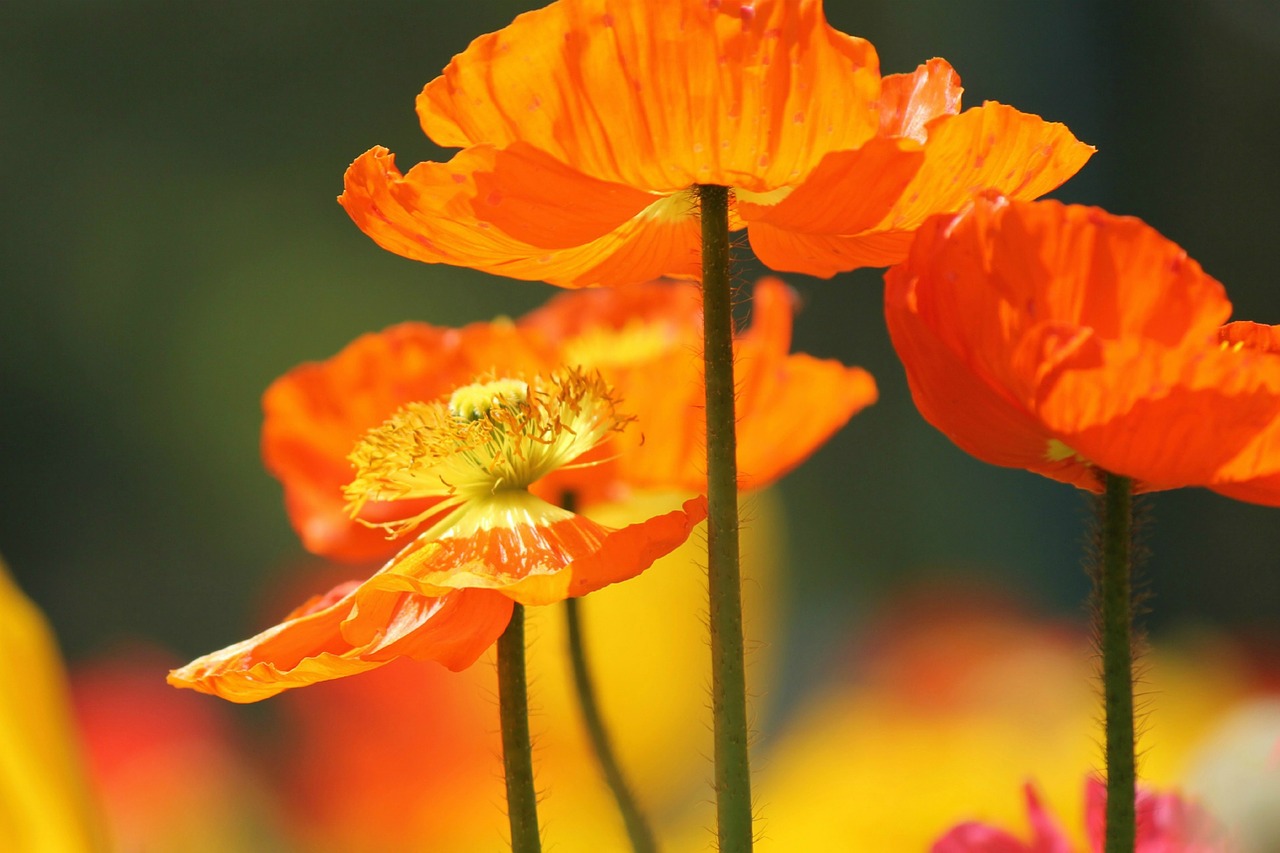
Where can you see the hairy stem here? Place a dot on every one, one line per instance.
(728, 677)
(1114, 629)
(517, 749)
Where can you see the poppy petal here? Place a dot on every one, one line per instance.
(848, 191)
(989, 147)
(645, 338)
(331, 637)
(535, 553)
(954, 397)
(788, 404)
(459, 212)
(1166, 420)
(908, 102)
(767, 89)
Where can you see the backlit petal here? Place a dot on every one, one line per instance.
(536, 553)
(662, 96)
(520, 214)
(848, 192)
(352, 629)
(989, 147)
(908, 102)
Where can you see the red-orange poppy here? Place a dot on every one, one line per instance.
(1065, 340)
(643, 339)
(585, 125)
(463, 468)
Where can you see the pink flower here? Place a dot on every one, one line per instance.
(1167, 823)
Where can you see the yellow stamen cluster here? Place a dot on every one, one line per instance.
(491, 436)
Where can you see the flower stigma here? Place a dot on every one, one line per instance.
(494, 436)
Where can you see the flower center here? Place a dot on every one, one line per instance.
(494, 435)
(473, 402)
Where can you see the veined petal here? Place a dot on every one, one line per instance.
(849, 191)
(1166, 418)
(500, 211)
(315, 413)
(355, 627)
(662, 96)
(908, 102)
(533, 552)
(992, 147)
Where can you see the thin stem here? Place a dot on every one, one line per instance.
(728, 678)
(642, 840)
(517, 749)
(1115, 624)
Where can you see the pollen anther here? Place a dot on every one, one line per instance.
(494, 435)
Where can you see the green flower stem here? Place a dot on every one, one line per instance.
(638, 831)
(517, 749)
(1115, 622)
(728, 677)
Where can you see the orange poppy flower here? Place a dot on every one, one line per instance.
(464, 468)
(641, 338)
(585, 125)
(1065, 340)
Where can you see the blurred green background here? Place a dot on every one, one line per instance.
(171, 244)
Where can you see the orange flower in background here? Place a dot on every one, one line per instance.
(463, 468)
(585, 125)
(1063, 340)
(641, 338)
(1166, 824)
(645, 338)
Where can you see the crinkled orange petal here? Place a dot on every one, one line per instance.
(664, 95)
(849, 191)
(1168, 419)
(1254, 474)
(536, 553)
(520, 214)
(315, 414)
(646, 339)
(908, 102)
(978, 415)
(1056, 338)
(354, 628)
(989, 147)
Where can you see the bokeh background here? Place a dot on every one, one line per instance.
(170, 243)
